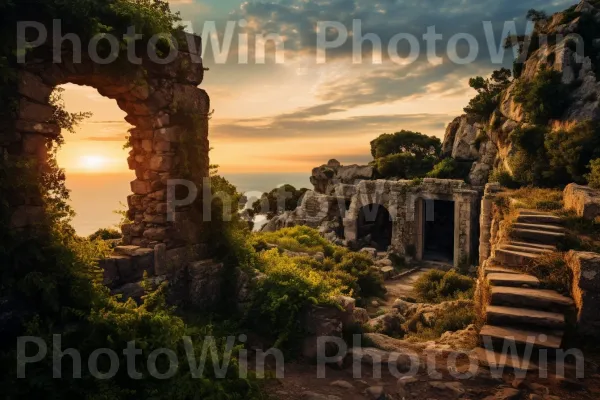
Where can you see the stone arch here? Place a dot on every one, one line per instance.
(375, 226)
(152, 95)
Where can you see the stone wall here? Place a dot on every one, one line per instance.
(585, 267)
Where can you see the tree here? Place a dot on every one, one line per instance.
(405, 154)
(535, 15)
(488, 91)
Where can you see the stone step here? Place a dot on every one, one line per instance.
(493, 269)
(493, 360)
(539, 219)
(514, 258)
(541, 339)
(537, 236)
(539, 227)
(513, 280)
(538, 299)
(499, 315)
(525, 249)
(527, 211)
(533, 245)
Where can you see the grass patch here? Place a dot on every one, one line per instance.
(439, 286)
(552, 271)
(452, 320)
(538, 198)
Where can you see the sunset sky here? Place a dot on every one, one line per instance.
(291, 117)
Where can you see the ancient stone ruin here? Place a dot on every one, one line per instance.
(436, 219)
(155, 97)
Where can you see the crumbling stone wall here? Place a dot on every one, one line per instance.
(585, 267)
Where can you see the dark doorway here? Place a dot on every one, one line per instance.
(439, 231)
(375, 227)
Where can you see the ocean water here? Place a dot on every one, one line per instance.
(96, 197)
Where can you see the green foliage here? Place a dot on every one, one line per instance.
(593, 177)
(105, 234)
(543, 98)
(405, 154)
(449, 168)
(554, 158)
(538, 198)
(278, 200)
(535, 15)
(504, 178)
(405, 142)
(354, 267)
(438, 286)
(290, 285)
(482, 106)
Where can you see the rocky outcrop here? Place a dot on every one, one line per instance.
(325, 177)
(583, 200)
(467, 141)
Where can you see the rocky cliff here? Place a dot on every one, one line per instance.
(568, 43)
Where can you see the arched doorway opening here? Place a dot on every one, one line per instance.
(374, 227)
(93, 157)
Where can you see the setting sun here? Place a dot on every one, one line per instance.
(92, 163)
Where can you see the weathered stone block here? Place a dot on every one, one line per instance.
(31, 85)
(160, 259)
(170, 134)
(205, 282)
(192, 98)
(42, 128)
(110, 271)
(161, 163)
(586, 269)
(158, 234)
(35, 112)
(584, 200)
(141, 187)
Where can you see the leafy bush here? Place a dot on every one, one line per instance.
(482, 106)
(438, 286)
(504, 178)
(105, 234)
(593, 177)
(449, 168)
(543, 98)
(405, 154)
(290, 285)
(301, 239)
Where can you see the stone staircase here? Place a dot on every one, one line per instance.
(519, 312)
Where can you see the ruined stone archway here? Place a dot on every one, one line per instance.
(169, 114)
(151, 97)
(374, 226)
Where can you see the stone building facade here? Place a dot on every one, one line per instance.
(408, 218)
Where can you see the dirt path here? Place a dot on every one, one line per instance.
(402, 287)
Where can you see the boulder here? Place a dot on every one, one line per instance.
(584, 200)
(585, 267)
(389, 324)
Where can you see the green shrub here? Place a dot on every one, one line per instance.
(106, 234)
(437, 286)
(290, 285)
(504, 178)
(482, 106)
(449, 168)
(543, 98)
(593, 177)
(301, 239)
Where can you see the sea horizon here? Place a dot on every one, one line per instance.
(96, 197)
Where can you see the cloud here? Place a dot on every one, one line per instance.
(297, 125)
